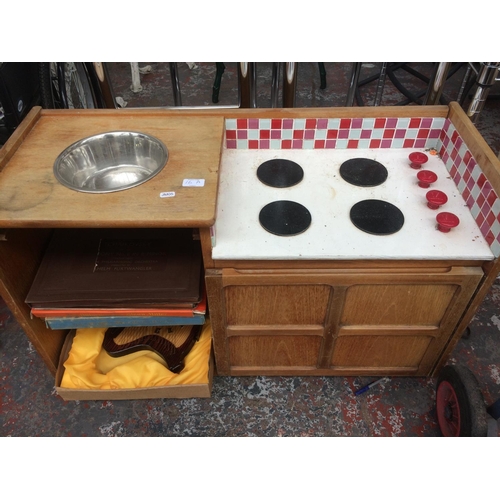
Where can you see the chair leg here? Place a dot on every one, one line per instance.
(275, 84)
(289, 84)
(218, 78)
(136, 78)
(353, 83)
(322, 76)
(247, 85)
(175, 84)
(464, 85)
(436, 83)
(380, 84)
(485, 79)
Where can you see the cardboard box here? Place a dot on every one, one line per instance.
(169, 391)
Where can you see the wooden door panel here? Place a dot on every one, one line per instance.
(277, 351)
(380, 351)
(276, 304)
(388, 304)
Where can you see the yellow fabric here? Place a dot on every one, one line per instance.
(89, 367)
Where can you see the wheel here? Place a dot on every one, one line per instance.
(76, 82)
(460, 404)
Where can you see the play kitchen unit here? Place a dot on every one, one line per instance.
(338, 241)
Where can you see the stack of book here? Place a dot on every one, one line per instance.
(101, 278)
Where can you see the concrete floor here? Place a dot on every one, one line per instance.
(251, 406)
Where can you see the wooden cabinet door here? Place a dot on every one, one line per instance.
(399, 324)
(349, 322)
(270, 323)
(275, 326)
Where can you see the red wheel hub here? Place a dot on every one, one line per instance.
(448, 410)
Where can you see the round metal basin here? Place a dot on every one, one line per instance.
(110, 162)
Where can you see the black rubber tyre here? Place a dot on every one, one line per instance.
(460, 405)
(78, 87)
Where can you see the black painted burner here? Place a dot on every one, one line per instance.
(285, 218)
(280, 173)
(377, 217)
(363, 172)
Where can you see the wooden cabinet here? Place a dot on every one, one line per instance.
(276, 318)
(33, 203)
(336, 322)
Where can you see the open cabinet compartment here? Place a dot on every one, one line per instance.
(181, 391)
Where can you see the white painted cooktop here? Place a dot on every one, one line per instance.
(331, 235)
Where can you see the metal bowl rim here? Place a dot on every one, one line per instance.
(82, 141)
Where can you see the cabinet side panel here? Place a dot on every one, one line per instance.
(20, 256)
(215, 296)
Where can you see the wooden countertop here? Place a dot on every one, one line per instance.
(30, 195)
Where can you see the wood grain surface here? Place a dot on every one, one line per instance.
(30, 196)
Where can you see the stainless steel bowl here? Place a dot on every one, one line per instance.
(112, 161)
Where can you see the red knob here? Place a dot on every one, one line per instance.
(435, 199)
(446, 221)
(426, 178)
(417, 159)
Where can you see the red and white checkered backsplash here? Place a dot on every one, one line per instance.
(476, 190)
(371, 133)
(332, 133)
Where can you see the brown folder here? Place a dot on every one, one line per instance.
(119, 268)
